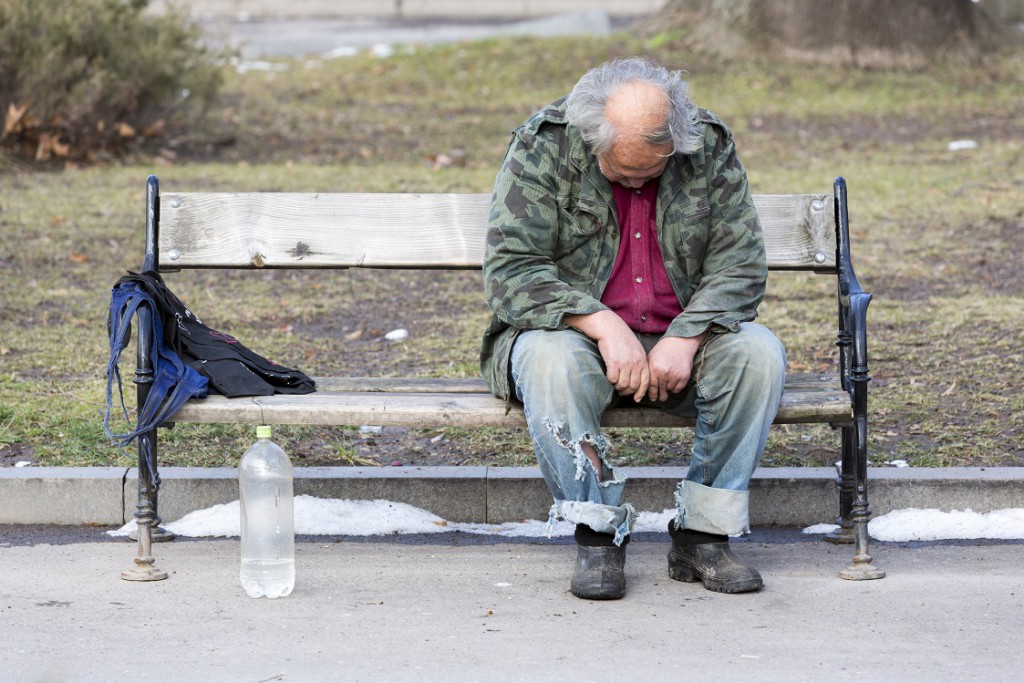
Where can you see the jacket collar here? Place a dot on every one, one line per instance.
(584, 161)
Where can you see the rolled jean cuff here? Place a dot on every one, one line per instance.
(713, 511)
(604, 519)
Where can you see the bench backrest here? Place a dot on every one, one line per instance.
(294, 230)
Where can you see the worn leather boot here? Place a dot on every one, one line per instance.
(697, 556)
(600, 572)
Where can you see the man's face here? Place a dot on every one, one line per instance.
(632, 163)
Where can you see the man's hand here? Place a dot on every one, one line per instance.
(670, 364)
(623, 354)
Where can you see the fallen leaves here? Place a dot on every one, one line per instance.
(50, 146)
(12, 122)
(125, 130)
(60, 138)
(455, 159)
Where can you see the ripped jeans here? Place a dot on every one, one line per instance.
(733, 393)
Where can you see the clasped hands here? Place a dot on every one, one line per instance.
(631, 370)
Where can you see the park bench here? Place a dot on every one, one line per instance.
(807, 232)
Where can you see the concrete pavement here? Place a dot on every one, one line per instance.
(272, 28)
(453, 608)
(462, 607)
(244, 10)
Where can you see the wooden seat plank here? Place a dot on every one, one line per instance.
(808, 399)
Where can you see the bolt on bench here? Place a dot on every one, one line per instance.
(446, 231)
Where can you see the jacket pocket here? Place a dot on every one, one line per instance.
(697, 210)
(580, 225)
(690, 228)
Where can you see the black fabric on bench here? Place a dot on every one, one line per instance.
(231, 367)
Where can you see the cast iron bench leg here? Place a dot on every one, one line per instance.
(145, 516)
(149, 480)
(861, 569)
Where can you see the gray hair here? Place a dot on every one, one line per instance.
(586, 104)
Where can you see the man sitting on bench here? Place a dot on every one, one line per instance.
(624, 262)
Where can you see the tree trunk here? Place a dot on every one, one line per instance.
(866, 33)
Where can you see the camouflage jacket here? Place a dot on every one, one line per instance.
(553, 236)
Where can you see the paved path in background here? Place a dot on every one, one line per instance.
(445, 610)
(339, 37)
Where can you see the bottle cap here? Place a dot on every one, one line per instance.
(263, 432)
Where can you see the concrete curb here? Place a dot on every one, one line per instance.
(779, 496)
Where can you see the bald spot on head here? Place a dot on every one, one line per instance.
(636, 109)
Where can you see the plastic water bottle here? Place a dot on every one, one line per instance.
(268, 520)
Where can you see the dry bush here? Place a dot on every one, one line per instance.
(90, 79)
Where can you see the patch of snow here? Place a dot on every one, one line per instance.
(327, 516)
(913, 524)
(935, 525)
(961, 145)
(333, 517)
(341, 51)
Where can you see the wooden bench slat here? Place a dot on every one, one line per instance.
(807, 399)
(476, 385)
(799, 231)
(380, 230)
(426, 385)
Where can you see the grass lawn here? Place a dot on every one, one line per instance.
(937, 238)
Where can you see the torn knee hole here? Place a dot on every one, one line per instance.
(598, 450)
